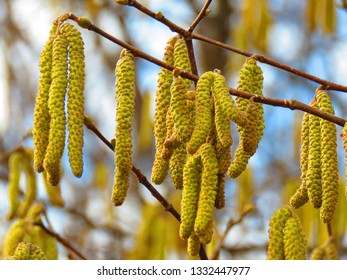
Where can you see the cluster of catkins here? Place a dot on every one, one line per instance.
(193, 137)
(318, 161)
(19, 164)
(27, 240)
(287, 240)
(61, 73)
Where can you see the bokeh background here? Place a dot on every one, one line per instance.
(309, 35)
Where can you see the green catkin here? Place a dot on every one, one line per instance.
(181, 58)
(56, 105)
(301, 197)
(13, 237)
(344, 134)
(53, 192)
(277, 222)
(317, 254)
(75, 97)
(250, 143)
(177, 162)
(250, 79)
(329, 164)
(313, 174)
(179, 110)
(294, 240)
(13, 184)
(208, 192)
(27, 251)
(162, 102)
(193, 245)
(125, 82)
(190, 195)
(203, 118)
(31, 187)
(41, 111)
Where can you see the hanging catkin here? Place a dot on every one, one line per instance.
(56, 105)
(329, 165)
(278, 220)
(162, 103)
(250, 79)
(75, 97)
(27, 251)
(313, 175)
(294, 240)
(190, 195)
(301, 197)
(344, 134)
(203, 117)
(124, 94)
(14, 171)
(41, 111)
(208, 190)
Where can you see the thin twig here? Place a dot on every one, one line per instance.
(203, 13)
(144, 181)
(61, 240)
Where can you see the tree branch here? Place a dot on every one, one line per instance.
(203, 13)
(143, 180)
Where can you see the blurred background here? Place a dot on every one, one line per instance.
(309, 35)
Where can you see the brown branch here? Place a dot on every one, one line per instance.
(326, 84)
(61, 240)
(291, 104)
(143, 180)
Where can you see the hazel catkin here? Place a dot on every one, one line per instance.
(203, 117)
(329, 164)
(208, 189)
(275, 250)
(300, 197)
(27, 251)
(14, 169)
(41, 112)
(125, 94)
(294, 240)
(344, 134)
(190, 195)
(75, 97)
(162, 103)
(313, 174)
(56, 105)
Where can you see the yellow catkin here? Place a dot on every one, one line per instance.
(190, 195)
(330, 251)
(75, 97)
(301, 197)
(177, 162)
(27, 251)
(208, 192)
(53, 192)
(294, 240)
(329, 164)
(313, 174)
(317, 254)
(125, 94)
(250, 79)
(203, 118)
(31, 186)
(41, 111)
(179, 110)
(56, 105)
(14, 170)
(275, 250)
(162, 102)
(344, 134)
(224, 160)
(181, 58)
(170, 142)
(14, 236)
(193, 245)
